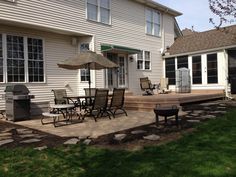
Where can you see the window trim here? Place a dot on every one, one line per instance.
(153, 28)
(25, 38)
(144, 60)
(99, 13)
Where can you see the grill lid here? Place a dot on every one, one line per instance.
(17, 89)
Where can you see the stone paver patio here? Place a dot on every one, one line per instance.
(92, 129)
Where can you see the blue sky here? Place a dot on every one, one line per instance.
(196, 13)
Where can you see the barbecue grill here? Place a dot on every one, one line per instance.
(17, 102)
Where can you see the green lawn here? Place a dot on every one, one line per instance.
(208, 152)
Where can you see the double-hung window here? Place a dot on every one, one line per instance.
(84, 73)
(153, 22)
(99, 10)
(24, 59)
(144, 60)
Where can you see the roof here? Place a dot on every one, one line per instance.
(201, 41)
(187, 31)
(160, 7)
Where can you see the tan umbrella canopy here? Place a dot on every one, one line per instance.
(87, 60)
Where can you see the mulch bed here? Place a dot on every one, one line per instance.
(167, 133)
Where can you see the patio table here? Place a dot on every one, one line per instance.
(60, 108)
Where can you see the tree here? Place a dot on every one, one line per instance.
(224, 9)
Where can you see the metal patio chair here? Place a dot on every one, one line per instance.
(147, 86)
(117, 101)
(99, 105)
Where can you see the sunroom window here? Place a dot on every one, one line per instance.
(99, 10)
(153, 22)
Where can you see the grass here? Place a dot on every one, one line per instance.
(208, 152)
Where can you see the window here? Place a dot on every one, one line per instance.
(99, 10)
(197, 69)
(182, 62)
(21, 52)
(84, 73)
(15, 59)
(212, 72)
(35, 60)
(153, 22)
(1, 59)
(170, 70)
(144, 60)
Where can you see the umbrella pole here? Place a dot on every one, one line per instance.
(89, 82)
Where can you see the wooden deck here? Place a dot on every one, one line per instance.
(147, 103)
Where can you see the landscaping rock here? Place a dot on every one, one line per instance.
(2, 142)
(208, 117)
(208, 104)
(72, 141)
(24, 131)
(198, 111)
(135, 132)
(41, 148)
(207, 108)
(5, 134)
(7, 130)
(33, 140)
(119, 137)
(27, 135)
(193, 121)
(219, 112)
(152, 137)
(87, 141)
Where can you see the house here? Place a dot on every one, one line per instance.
(210, 56)
(36, 35)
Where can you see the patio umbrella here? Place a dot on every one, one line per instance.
(87, 60)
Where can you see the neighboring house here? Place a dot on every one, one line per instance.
(35, 35)
(210, 56)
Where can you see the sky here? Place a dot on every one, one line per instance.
(196, 13)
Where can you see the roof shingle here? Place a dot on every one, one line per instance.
(199, 41)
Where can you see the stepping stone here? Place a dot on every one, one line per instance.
(207, 108)
(208, 117)
(195, 115)
(2, 142)
(41, 148)
(33, 140)
(119, 137)
(136, 132)
(219, 112)
(72, 141)
(209, 104)
(198, 112)
(24, 131)
(87, 141)
(152, 137)
(193, 121)
(5, 134)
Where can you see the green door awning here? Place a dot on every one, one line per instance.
(109, 47)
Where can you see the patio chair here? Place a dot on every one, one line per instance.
(99, 106)
(164, 86)
(117, 101)
(147, 86)
(88, 101)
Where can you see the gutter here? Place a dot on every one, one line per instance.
(199, 52)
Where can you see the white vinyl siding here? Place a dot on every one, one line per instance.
(128, 29)
(153, 22)
(99, 10)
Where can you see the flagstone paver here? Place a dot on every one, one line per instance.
(72, 141)
(33, 140)
(119, 137)
(6, 141)
(152, 137)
